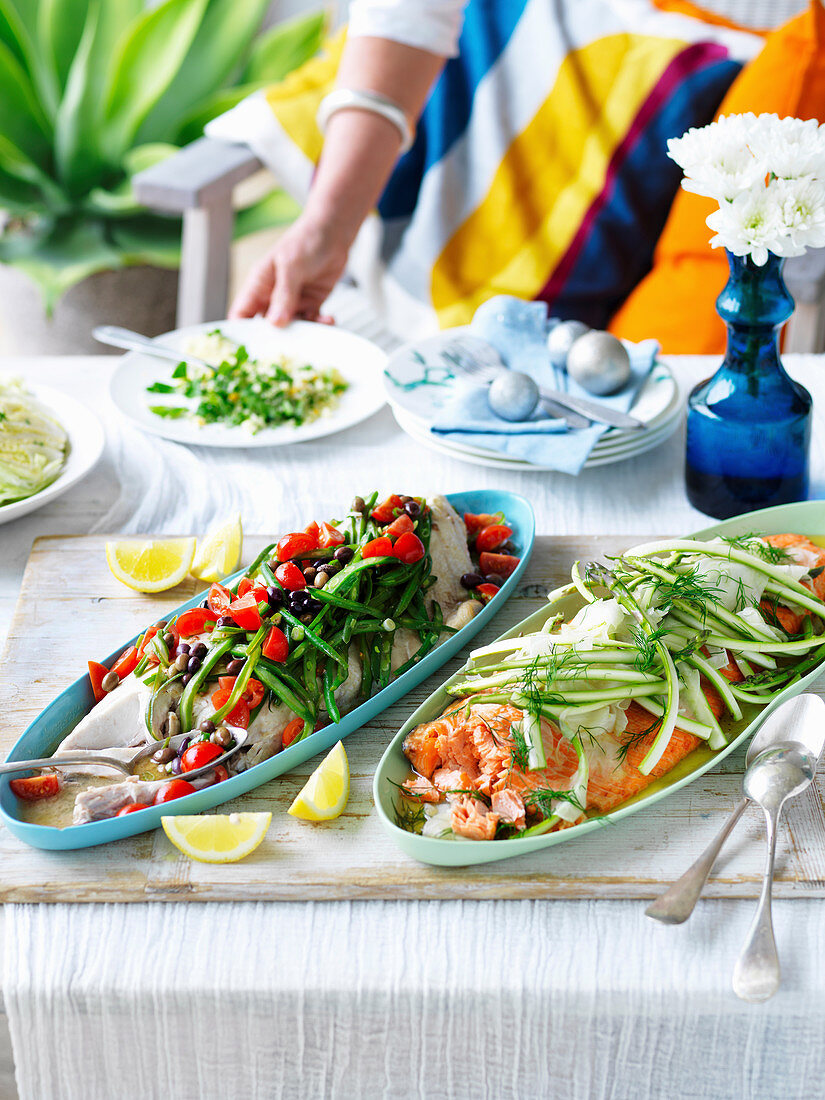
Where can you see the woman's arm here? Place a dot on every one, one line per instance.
(360, 150)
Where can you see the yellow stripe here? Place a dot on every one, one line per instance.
(549, 176)
(295, 100)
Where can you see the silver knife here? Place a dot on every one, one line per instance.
(591, 409)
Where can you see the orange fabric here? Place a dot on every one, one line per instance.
(676, 301)
(684, 7)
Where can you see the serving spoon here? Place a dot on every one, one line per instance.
(801, 719)
(777, 774)
(88, 756)
(117, 337)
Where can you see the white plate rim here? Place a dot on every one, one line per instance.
(86, 442)
(515, 465)
(370, 395)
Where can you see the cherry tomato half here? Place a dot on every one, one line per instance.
(291, 731)
(503, 565)
(486, 591)
(220, 773)
(299, 542)
(238, 716)
(276, 646)
(386, 512)
(35, 787)
(219, 599)
(400, 526)
(490, 538)
(96, 673)
(195, 621)
(253, 693)
(330, 536)
(175, 788)
(408, 548)
(130, 809)
(377, 548)
(126, 662)
(245, 612)
(474, 523)
(290, 576)
(202, 752)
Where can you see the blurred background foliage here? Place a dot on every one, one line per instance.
(94, 91)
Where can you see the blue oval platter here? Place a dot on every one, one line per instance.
(62, 715)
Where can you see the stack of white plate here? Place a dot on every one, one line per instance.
(417, 383)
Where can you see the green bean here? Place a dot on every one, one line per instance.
(239, 687)
(329, 697)
(338, 601)
(385, 659)
(310, 672)
(282, 691)
(311, 636)
(194, 685)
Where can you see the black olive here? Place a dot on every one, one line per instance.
(309, 574)
(358, 504)
(234, 667)
(275, 596)
(413, 509)
(225, 620)
(194, 664)
(331, 567)
(183, 647)
(198, 650)
(207, 726)
(205, 604)
(169, 640)
(313, 605)
(494, 578)
(321, 563)
(344, 554)
(187, 676)
(471, 580)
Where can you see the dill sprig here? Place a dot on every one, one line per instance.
(519, 751)
(753, 544)
(647, 654)
(542, 799)
(409, 815)
(634, 739)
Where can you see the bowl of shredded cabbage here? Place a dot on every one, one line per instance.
(41, 455)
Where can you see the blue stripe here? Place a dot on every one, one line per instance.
(618, 252)
(488, 25)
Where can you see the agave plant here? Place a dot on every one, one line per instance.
(94, 91)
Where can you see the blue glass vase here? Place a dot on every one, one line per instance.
(749, 426)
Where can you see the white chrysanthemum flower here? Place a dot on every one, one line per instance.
(790, 148)
(801, 207)
(749, 225)
(717, 160)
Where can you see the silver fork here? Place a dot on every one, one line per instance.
(479, 359)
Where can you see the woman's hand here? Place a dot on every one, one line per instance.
(296, 276)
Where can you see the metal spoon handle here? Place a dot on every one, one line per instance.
(11, 766)
(756, 976)
(117, 337)
(677, 902)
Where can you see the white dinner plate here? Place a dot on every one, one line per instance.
(86, 441)
(360, 362)
(495, 461)
(417, 381)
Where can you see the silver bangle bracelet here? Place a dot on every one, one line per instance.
(344, 99)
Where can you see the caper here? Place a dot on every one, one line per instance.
(110, 681)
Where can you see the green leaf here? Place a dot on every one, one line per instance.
(22, 120)
(276, 209)
(19, 197)
(78, 154)
(217, 53)
(148, 239)
(119, 200)
(60, 258)
(147, 61)
(18, 31)
(284, 48)
(60, 25)
(192, 126)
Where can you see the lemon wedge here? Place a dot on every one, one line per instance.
(150, 565)
(219, 553)
(325, 793)
(217, 838)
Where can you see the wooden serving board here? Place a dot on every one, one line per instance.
(71, 608)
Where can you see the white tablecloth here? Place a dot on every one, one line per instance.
(430, 999)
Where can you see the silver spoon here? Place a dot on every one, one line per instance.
(775, 776)
(800, 719)
(117, 337)
(88, 756)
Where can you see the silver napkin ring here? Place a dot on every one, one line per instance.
(343, 99)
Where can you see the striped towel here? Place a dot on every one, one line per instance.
(539, 167)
